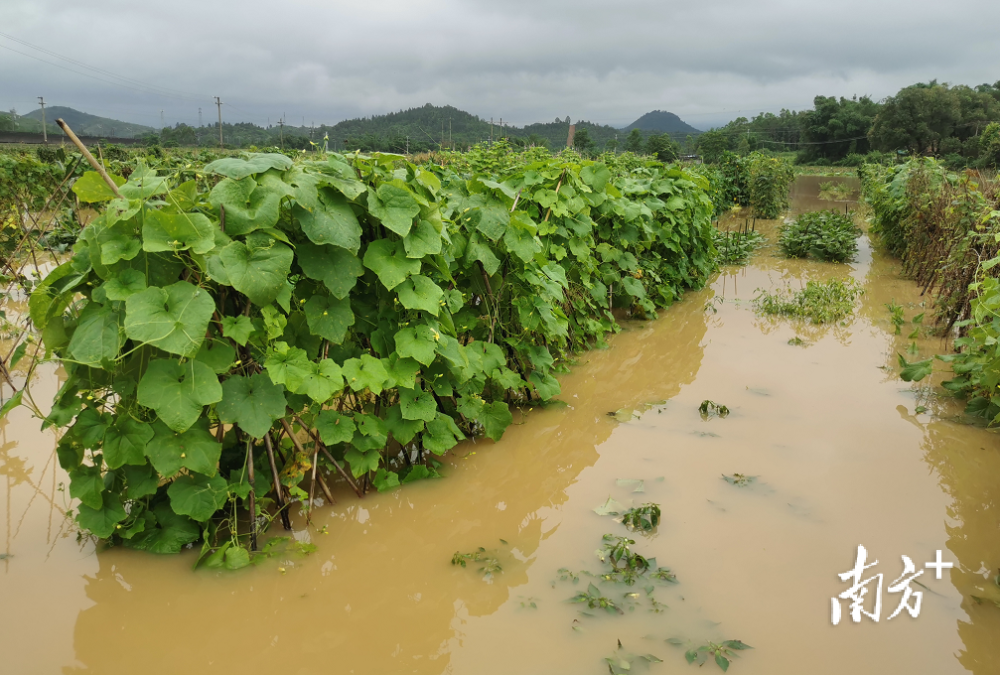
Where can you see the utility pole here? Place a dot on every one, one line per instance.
(45, 135)
(218, 104)
(199, 118)
(491, 131)
(451, 139)
(161, 119)
(281, 130)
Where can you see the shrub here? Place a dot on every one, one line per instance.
(824, 235)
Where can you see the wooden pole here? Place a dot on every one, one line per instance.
(90, 158)
(285, 522)
(252, 498)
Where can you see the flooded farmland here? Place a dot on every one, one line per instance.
(843, 453)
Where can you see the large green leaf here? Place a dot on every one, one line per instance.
(128, 282)
(91, 188)
(442, 434)
(419, 292)
(140, 481)
(323, 381)
(495, 419)
(288, 366)
(423, 239)
(332, 222)
(101, 521)
(418, 343)
(365, 372)
(546, 385)
(257, 268)
(402, 430)
(125, 442)
(416, 404)
(239, 328)
(362, 461)
(234, 167)
(217, 355)
(520, 237)
(394, 206)
(174, 531)
(177, 392)
(254, 403)
(335, 428)
(492, 220)
(97, 337)
(248, 206)
(329, 317)
(337, 268)
(177, 232)
(198, 496)
(173, 318)
(388, 260)
(195, 449)
(87, 484)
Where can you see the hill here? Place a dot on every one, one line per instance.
(663, 122)
(84, 124)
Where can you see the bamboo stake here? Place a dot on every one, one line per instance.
(312, 486)
(326, 453)
(285, 522)
(251, 498)
(90, 158)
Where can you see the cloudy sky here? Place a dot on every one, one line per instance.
(525, 61)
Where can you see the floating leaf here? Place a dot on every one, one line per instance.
(609, 508)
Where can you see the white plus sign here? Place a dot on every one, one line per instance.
(938, 565)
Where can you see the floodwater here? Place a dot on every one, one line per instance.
(841, 455)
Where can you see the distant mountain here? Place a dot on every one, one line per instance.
(85, 124)
(661, 121)
(429, 127)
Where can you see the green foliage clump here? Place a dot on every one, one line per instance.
(757, 180)
(829, 236)
(940, 224)
(819, 302)
(226, 326)
(736, 246)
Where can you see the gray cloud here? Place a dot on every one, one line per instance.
(523, 61)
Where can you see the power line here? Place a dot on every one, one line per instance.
(126, 82)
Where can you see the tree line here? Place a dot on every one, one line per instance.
(959, 124)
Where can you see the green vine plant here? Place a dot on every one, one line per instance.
(723, 653)
(708, 408)
(236, 332)
(739, 479)
(490, 563)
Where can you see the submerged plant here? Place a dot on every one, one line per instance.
(490, 564)
(708, 407)
(896, 315)
(736, 246)
(723, 653)
(799, 342)
(739, 479)
(592, 598)
(823, 235)
(644, 518)
(626, 565)
(624, 662)
(819, 302)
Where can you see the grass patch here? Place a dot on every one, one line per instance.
(822, 235)
(819, 302)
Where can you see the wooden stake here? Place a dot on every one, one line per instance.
(90, 158)
(285, 522)
(251, 498)
(326, 453)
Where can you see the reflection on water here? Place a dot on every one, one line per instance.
(842, 458)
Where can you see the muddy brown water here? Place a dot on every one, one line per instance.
(841, 455)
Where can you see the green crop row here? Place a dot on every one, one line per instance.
(226, 327)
